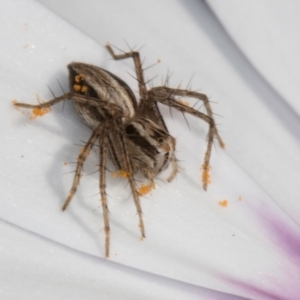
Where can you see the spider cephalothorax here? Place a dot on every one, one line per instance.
(133, 134)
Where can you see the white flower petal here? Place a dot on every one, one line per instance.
(247, 246)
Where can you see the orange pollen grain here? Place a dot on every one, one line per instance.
(123, 174)
(145, 189)
(240, 198)
(205, 175)
(79, 77)
(223, 203)
(77, 87)
(84, 88)
(38, 112)
(120, 173)
(14, 101)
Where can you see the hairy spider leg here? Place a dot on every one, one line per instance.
(102, 184)
(84, 152)
(166, 95)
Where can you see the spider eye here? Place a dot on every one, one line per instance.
(161, 140)
(157, 152)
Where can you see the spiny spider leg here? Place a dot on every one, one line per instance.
(147, 109)
(137, 64)
(129, 170)
(46, 104)
(102, 183)
(80, 161)
(95, 102)
(167, 95)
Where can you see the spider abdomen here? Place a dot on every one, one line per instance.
(98, 83)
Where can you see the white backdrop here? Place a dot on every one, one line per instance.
(195, 247)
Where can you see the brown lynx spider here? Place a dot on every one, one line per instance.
(134, 134)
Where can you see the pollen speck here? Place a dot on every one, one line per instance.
(79, 77)
(146, 188)
(205, 175)
(223, 203)
(38, 112)
(77, 87)
(14, 101)
(120, 173)
(84, 88)
(123, 174)
(240, 198)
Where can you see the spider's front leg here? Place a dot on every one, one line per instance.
(77, 98)
(167, 96)
(147, 109)
(45, 104)
(135, 55)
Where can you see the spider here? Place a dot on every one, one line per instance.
(133, 134)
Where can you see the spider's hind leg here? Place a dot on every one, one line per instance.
(167, 96)
(45, 104)
(80, 161)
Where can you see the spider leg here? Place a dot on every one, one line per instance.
(45, 104)
(112, 107)
(129, 170)
(146, 109)
(135, 55)
(80, 161)
(102, 182)
(167, 95)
